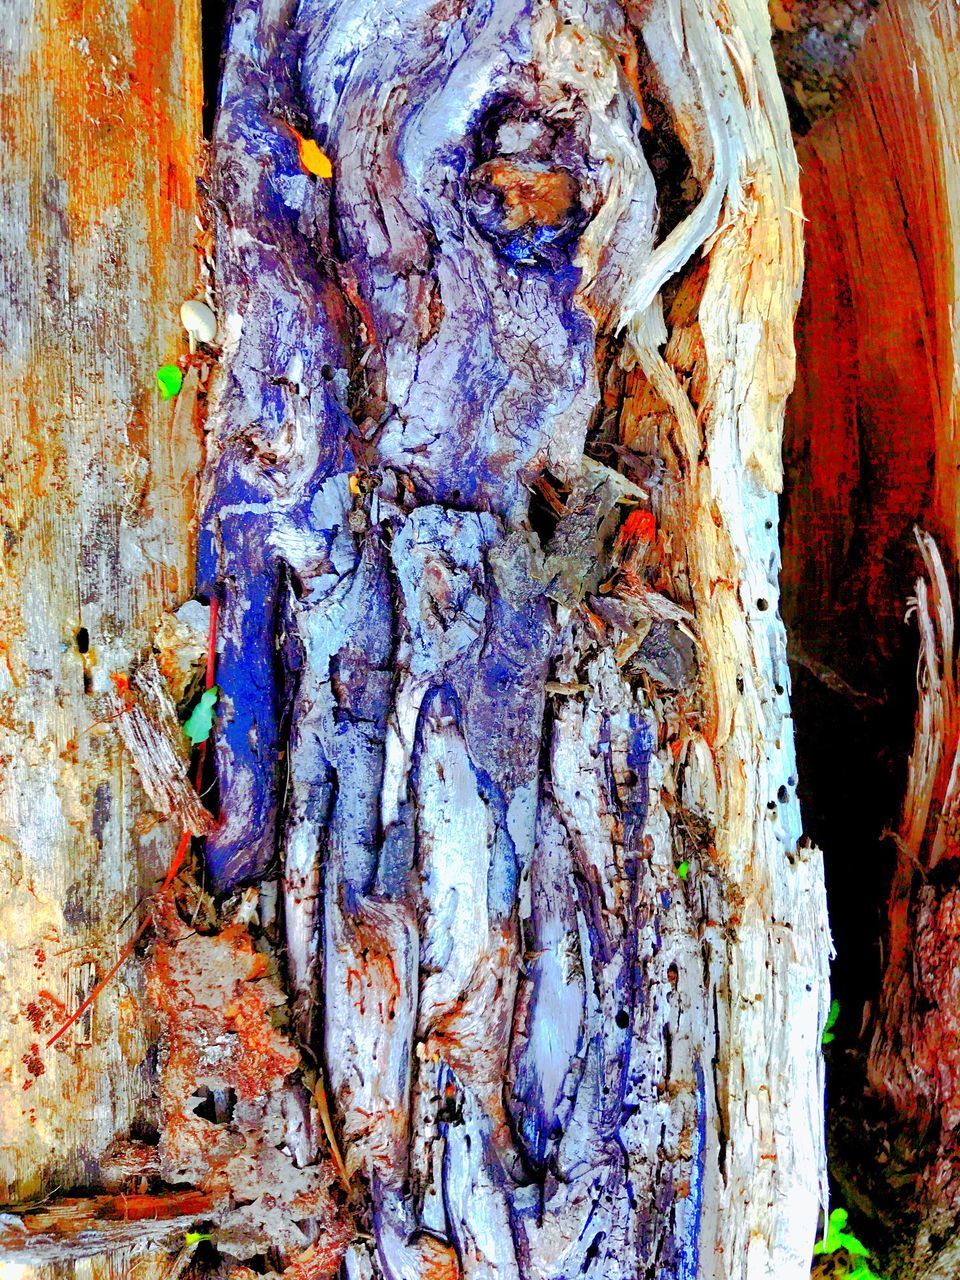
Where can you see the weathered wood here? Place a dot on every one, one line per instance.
(550, 1054)
(119, 1264)
(73, 1228)
(914, 1061)
(872, 448)
(100, 111)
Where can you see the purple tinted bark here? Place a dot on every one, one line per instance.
(401, 364)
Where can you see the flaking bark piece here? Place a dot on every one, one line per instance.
(148, 725)
(180, 642)
(573, 564)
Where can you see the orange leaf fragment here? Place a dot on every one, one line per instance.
(313, 159)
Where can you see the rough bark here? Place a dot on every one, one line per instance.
(872, 451)
(472, 733)
(100, 111)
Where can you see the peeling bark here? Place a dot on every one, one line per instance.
(473, 733)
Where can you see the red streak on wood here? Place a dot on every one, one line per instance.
(212, 643)
(71, 1215)
(640, 526)
(124, 956)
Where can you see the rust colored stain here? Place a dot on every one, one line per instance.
(34, 1064)
(322, 1259)
(116, 122)
(151, 84)
(100, 129)
(530, 195)
(862, 424)
(213, 991)
(192, 1204)
(93, 141)
(44, 1013)
(71, 1215)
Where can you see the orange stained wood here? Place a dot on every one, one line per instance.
(100, 131)
(531, 195)
(73, 1214)
(871, 444)
(120, 122)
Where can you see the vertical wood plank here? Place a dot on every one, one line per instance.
(100, 116)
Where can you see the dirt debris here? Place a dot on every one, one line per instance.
(236, 1122)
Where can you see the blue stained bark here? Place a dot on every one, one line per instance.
(403, 361)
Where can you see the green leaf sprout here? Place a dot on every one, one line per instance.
(199, 725)
(169, 380)
(838, 1238)
(832, 1017)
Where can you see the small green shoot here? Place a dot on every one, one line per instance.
(199, 725)
(194, 1237)
(169, 380)
(832, 1017)
(683, 869)
(838, 1238)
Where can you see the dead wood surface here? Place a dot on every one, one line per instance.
(74, 1228)
(502, 730)
(523, 778)
(100, 110)
(872, 451)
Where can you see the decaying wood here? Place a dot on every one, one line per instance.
(73, 1228)
(914, 1063)
(872, 448)
(555, 233)
(127, 1263)
(100, 109)
(146, 717)
(872, 443)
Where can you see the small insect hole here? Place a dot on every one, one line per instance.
(763, 604)
(622, 1019)
(326, 373)
(83, 640)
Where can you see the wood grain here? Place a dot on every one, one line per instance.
(100, 109)
(872, 522)
(73, 1228)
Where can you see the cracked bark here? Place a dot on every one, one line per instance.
(475, 733)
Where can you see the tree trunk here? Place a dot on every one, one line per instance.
(489, 516)
(499, 640)
(872, 451)
(101, 116)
